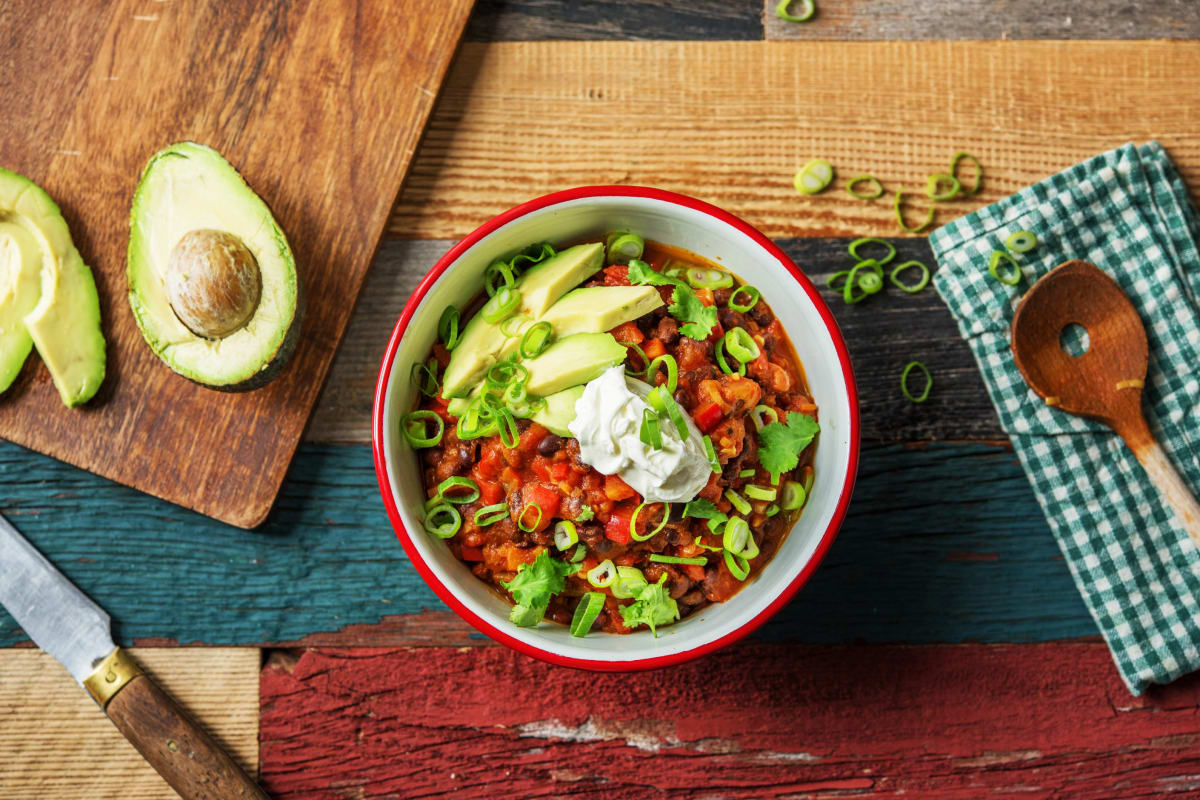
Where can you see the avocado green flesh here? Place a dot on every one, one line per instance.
(186, 187)
(559, 411)
(48, 296)
(481, 342)
(572, 361)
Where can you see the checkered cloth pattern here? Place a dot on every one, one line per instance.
(1128, 212)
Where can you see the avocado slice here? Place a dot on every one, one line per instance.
(571, 361)
(593, 309)
(212, 280)
(48, 298)
(559, 411)
(481, 342)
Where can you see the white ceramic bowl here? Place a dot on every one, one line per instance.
(672, 219)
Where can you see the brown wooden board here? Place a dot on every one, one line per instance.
(320, 105)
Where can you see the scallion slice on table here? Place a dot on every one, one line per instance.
(942, 186)
(875, 191)
(458, 490)
(623, 247)
(793, 496)
(813, 177)
(603, 574)
(658, 558)
(752, 296)
(503, 303)
(867, 283)
(565, 534)
(739, 567)
(898, 206)
(415, 427)
(662, 523)
(589, 608)
(535, 340)
(882, 262)
(924, 395)
(443, 521)
(1021, 241)
(1010, 278)
(807, 9)
(448, 327)
(650, 433)
(974, 189)
(706, 278)
(668, 361)
(741, 345)
(911, 288)
(490, 515)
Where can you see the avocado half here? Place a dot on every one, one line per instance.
(212, 279)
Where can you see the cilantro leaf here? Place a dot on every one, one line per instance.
(641, 273)
(780, 444)
(703, 509)
(652, 607)
(533, 587)
(699, 319)
(585, 514)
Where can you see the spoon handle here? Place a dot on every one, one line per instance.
(1164, 477)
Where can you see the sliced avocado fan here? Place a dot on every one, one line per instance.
(212, 280)
(47, 294)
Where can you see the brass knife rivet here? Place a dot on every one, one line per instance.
(110, 676)
(171, 745)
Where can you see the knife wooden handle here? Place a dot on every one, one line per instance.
(188, 759)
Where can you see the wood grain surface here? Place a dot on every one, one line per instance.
(731, 122)
(755, 721)
(55, 742)
(243, 77)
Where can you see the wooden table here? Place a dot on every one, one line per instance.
(940, 651)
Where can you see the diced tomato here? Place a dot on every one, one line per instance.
(472, 553)
(693, 571)
(705, 296)
(616, 275)
(541, 468)
(490, 493)
(560, 470)
(653, 348)
(531, 438)
(547, 499)
(489, 464)
(628, 332)
(717, 333)
(617, 528)
(441, 354)
(509, 479)
(707, 416)
(617, 489)
(712, 490)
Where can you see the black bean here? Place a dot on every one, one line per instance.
(721, 296)
(603, 546)
(549, 444)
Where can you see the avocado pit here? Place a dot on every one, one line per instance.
(213, 282)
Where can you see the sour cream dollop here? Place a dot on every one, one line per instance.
(608, 418)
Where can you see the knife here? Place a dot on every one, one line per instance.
(65, 623)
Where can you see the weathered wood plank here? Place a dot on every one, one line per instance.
(944, 543)
(987, 19)
(55, 742)
(883, 333)
(517, 120)
(533, 20)
(750, 722)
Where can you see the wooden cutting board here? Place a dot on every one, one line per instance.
(319, 104)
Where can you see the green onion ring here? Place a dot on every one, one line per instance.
(565, 534)
(532, 255)
(603, 574)
(448, 327)
(933, 187)
(923, 396)
(698, 561)
(1021, 241)
(711, 454)
(870, 283)
(502, 373)
(771, 510)
(738, 501)
(589, 608)
(882, 262)
(511, 326)
(641, 354)
(424, 377)
(911, 288)
(844, 274)
(503, 303)
(759, 493)
(815, 176)
(661, 523)
(700, 543)
(741, 345)
(1014, 274)
(719, 355)
(536, 522)
(872, 194)
(853, 281)
(738, 567)
(497, 268)
(757, 414)
(490, 515)
(580, 553)
(793, 496)
(708, 278)
(535, 340)
(443, 490)
(782, 12)
(737, 537)
(897, 204)
(978, 172)
(623, 246)
(509, 433)
(672, 382)
(443, 530)
(751, 292)
(649, 432)
(413, 426)
(675, 414)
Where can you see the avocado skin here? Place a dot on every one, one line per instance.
(283, 354)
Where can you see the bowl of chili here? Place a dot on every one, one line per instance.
(427, 519)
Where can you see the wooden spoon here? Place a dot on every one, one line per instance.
(1104, 383)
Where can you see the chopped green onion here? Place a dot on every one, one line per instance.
(448, 327)
(871, 194)
(814, 176)
(911, 288)
(808, 7)
(603, 574)
(672, 371)
(934, 190)
(532, 255)
(923, 396)
(535, 340)
(502, 373)
(450, 522)
(700, 542)
(589, 608)
(978, 172)
(1013, 276)
(706, 278)
(492, 401)
(793, 497)
(649, 433)
(719, 354)
(738, 538)
(771, 510)
(478, 420)
(424, 376)
(738, 501)
(498, 269)
(711, 454)
(580, 553)
(882, 262)
(808, 482)
(1021, 241)
(623, 247)
(565, 534)
(642, 355)
(628, 583)
(738, 567)
(898, 203)
(759, 493)
(867, 284)
(662, 523)
(752, 295)
(536, 522)
(746, 473)
(512, 326)
(844, 275)
(698, 561)
(663, 403)
(436, 500)
(503, 303)
(415, 428)
(515, 392)
(870, 282)
(490, 515)
(741, 345)
(455, 482)
(509, 433)
(760, 412)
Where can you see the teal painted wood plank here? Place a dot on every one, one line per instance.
(944, 543)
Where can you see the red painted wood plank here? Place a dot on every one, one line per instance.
(756, 721)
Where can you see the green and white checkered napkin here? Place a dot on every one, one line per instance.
(1128, 212)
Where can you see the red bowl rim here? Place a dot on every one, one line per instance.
(385, 487)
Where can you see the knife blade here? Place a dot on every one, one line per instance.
(64, 622)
